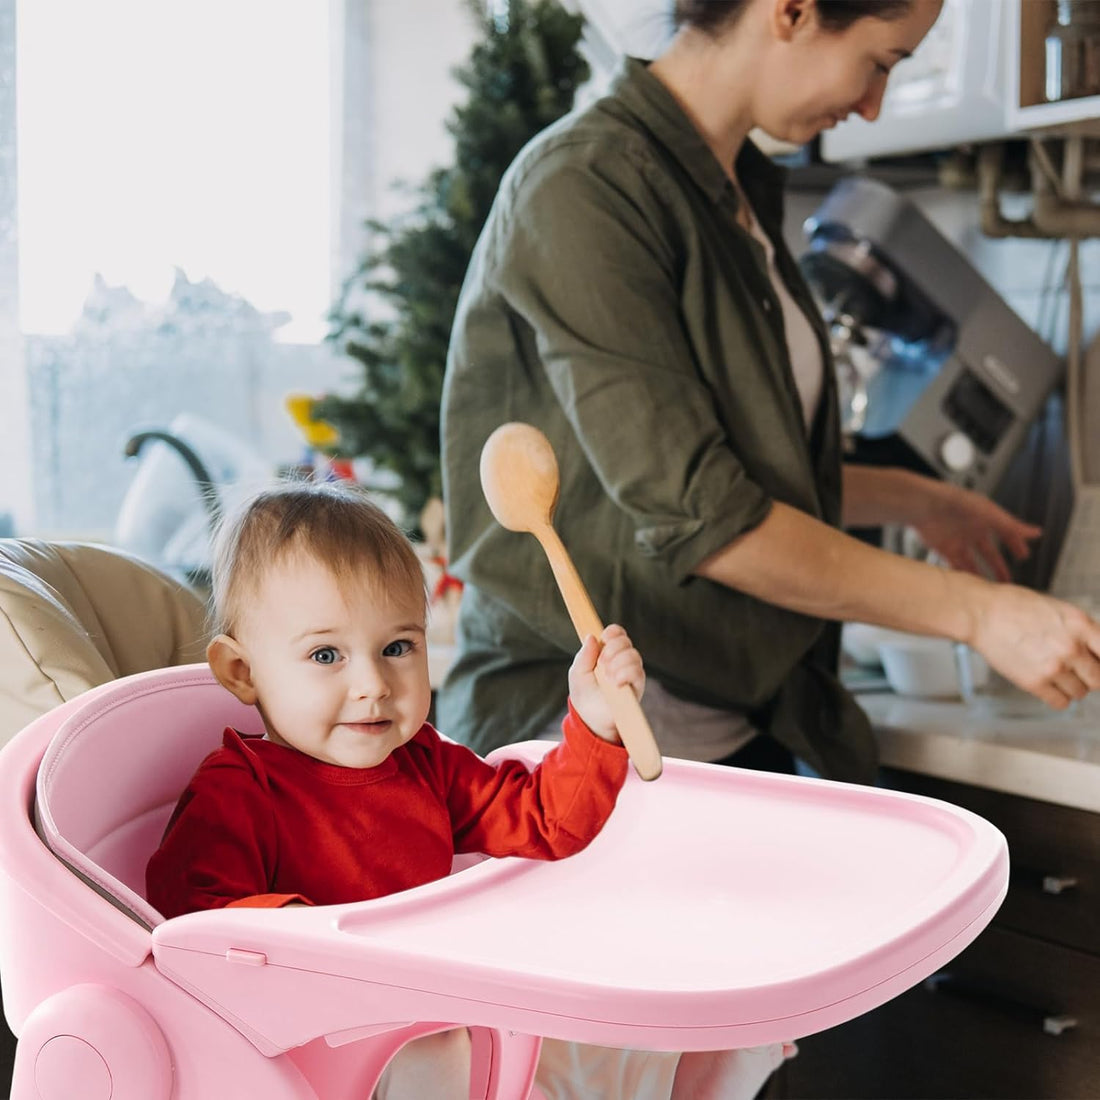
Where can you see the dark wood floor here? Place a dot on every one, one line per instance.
(7, 1066)
(7, 1053)
(7, 1059)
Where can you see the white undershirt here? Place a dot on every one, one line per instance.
(802, 346)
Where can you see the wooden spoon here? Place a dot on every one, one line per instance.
(519, 476)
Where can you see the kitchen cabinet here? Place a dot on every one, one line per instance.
(1028, 56)
(1016, 1015)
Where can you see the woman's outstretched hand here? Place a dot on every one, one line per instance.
(1045, 646)
(969, 532)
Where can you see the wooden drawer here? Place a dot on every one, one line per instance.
(975, 1032)
(1054, 892)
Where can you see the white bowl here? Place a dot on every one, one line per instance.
(926, 667)
(860, 641)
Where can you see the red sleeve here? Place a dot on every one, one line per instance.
(548, 813)
(219, 847)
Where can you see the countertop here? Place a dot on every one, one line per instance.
(1013, 744)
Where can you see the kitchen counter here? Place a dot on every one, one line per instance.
(1012, 744)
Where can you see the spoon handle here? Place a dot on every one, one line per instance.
(630, 719)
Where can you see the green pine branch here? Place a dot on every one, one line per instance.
(394, 314)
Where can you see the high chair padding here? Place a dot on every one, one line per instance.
(75, 615)
(719, 908)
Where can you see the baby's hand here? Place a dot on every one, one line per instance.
(620, 663)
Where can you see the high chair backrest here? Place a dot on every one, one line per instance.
(75, 615)
(113, 772)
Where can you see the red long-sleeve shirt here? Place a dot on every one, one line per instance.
(262, 824)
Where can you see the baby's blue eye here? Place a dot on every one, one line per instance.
(326, 655)
(397, 649)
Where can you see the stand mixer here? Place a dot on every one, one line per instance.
(925, 348)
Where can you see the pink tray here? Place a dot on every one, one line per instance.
(719, 908)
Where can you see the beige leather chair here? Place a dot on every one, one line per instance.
(75, 615)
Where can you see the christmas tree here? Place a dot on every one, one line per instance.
(394, 314)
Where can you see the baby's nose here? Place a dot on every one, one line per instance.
(371, 682)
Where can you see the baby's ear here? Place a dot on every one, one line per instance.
(230, 666)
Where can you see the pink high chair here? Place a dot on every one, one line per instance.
(719, 908)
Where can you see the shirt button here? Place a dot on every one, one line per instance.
(767, 306)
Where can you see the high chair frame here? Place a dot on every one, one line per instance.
(647, 938)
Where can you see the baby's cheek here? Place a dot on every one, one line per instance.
(420, 713)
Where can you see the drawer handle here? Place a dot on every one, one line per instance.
(1053, 1023)
(1048, 884)
(1056, 884)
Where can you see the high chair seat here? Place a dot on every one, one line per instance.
(718, 908)
(75, 615)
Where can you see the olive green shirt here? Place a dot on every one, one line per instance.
(615, 301)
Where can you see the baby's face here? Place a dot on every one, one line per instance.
(340, 670)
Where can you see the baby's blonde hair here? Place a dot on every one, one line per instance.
(335, 523)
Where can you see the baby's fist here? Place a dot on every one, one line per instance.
(619, 664)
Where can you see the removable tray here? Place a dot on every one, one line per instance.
(718, 908)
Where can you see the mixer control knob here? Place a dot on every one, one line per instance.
(957, 452)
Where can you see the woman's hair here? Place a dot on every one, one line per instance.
(713, 16)
(333, 522)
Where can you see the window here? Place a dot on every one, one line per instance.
(173, 243)
(160, 135)
(193, 181)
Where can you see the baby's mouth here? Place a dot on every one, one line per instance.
(371, 725)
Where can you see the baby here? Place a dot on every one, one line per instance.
(350, 794)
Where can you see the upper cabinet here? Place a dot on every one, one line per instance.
(989, 69)
(1055, 59)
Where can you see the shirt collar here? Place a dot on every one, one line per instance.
(645, 97)
(283, 756)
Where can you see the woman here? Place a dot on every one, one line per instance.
(632, 296)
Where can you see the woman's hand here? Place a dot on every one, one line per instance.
(619, 663)
(968, 531)
(1043, 645)
(964, 529)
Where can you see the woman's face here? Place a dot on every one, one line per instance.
(820, 77)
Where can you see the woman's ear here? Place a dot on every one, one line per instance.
(229, 663)
(790, 16)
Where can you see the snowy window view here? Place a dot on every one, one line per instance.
(166, 213)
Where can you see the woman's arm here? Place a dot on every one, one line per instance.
(1047, 647)
(966, 529)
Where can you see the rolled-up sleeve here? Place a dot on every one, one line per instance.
(610, 334)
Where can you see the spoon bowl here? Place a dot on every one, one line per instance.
(519, 476)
